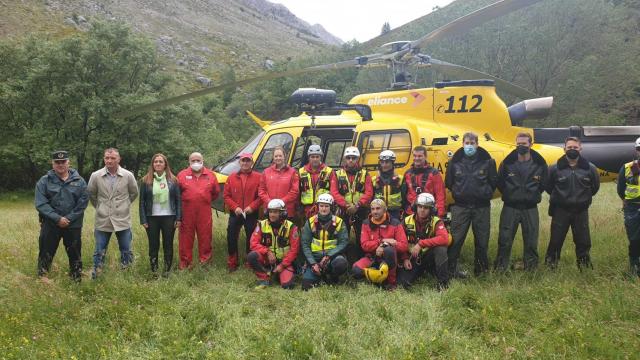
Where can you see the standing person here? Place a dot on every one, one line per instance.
(428, 241)
(274, 247)
(324, 239)
(280, 181)
(383, 241)
(160, 210)
(422, 178)
(352, 191)
(629, 192)
(315, 180)
(61, 198)
(471, 177)
(521, 180)
(199, 187)
(112, 190)
(241, 198)
(388, 186)
(573, 181)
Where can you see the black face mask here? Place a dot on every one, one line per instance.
(573, 154)
(522, 149)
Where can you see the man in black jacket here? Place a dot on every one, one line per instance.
(471, 177)
(573, 182)
(521, 180)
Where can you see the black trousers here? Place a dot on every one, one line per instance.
(510, 218)
(354, 250)
(434, 261)
(50, 235)
(632, 225)
(561, 220)
(166, 226)
(233, 231)
(480, 222)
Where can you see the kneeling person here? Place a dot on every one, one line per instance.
(324, 238)
(274, 246)
(382, 240)
(428, 240)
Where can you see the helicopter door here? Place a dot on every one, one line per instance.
(332, 140)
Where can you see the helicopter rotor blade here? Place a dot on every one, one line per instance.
(470, 21)
(463, 72)
(357, 62)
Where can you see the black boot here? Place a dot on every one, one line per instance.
(584, 263)
(154, 265)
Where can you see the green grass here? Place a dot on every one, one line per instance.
(207, 313)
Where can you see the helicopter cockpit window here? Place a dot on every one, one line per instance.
(335, 149)
(266, 156)
(302, 146)
(231, 165)
(373, 142)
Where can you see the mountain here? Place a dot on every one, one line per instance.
(198, 38)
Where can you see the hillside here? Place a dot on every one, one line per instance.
(195, 37)
(582, 52)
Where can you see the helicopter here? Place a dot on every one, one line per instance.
(401, 117)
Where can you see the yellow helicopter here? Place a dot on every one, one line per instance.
(403, 118)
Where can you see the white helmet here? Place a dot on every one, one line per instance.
(387, 155)
(425, 199)
(325, 199)
(276, 204)
(314, 150)
(352, 151)
(637, 142)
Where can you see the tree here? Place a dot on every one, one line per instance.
(62, 94)
(385, 28)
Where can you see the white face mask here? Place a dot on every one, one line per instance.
(196, 166)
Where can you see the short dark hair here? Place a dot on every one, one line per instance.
(525, 134)
(421, 148)
(572, 138)
(111, 149)
(471, 136)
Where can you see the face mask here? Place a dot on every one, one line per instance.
(522, 149)
(573, 154)
(469, 150)
(196, 166)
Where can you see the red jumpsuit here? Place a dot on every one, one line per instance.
(371, 238)
(286, 276)
(197, 194)
(432, 184)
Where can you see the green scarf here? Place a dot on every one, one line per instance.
(160, 188)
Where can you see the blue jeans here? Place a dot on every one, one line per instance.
(102, 242)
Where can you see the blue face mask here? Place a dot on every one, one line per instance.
(469, 150)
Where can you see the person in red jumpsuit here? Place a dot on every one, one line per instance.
(274, 247)
(199, 187)
(280, 181)
(422, 178)
(384, 241)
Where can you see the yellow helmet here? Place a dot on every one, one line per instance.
(377, 275)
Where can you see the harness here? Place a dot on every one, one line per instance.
(309, 193)
(280, 245)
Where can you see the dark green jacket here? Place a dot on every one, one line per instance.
(56, 198)
(342, 238)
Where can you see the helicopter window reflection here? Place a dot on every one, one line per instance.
(372, 143)
(302, 146)
(335, 149)
(231, 165)
(266, 156)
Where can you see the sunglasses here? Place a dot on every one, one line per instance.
(351, 157)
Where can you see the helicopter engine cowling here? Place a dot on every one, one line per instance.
(530, 109)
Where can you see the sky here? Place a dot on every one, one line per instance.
(359, 19)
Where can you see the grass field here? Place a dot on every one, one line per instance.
(207, 313)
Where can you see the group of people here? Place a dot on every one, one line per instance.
(300, 221)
